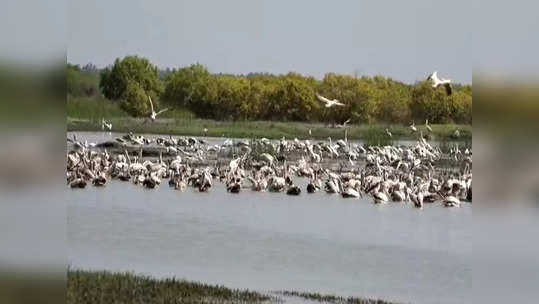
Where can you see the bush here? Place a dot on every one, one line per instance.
(128, 80)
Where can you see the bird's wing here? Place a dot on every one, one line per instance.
(448, 88)
(433, 76)
(322, 98)
(339, 104)
(151, 103)
(347, 121)
(164, 110)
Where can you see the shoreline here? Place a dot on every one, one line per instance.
(372, 133)
(91, 286)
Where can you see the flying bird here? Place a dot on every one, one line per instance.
(154, 114)
(437, 82)
(329, 103)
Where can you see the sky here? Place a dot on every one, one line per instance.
(404, 40)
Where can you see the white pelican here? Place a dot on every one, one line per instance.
(329, 103)
(437, 82)
(154, 114)
(388, 133)
(451, 201)
(428, 126)
(268, 158)
(380, 197)
(234, 164)
(417, 199)
(350, 192)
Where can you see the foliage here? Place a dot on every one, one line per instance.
(131, 80)
(82, 81)
(292, 97)
(180, 83)
(107, 287)
(135, 101)
(93, 109)
(84, 114)
(263, 96)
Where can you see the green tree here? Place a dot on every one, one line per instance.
(127, 80)
(180, 84)
(81, 82)
(135, 100)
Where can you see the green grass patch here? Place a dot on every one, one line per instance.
(92, 109)
(332, 298)
(85, 114)
(106, 287)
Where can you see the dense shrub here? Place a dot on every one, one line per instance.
(128, 80)
(289, 97)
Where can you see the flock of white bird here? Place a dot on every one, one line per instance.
(387, 174)
(404, 174)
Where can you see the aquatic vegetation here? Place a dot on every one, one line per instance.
(332, 298)
(107, 287)
(85, 286)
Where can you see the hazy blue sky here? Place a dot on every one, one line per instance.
(402, 39)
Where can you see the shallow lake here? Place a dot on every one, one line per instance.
(270, 241)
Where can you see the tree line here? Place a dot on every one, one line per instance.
(289, 97)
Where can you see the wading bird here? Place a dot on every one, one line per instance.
(105, 125)
(329, 103)
(437, 82)
(428, 126)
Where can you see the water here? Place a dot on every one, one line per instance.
(270, 241)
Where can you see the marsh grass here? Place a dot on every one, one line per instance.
(106, 287)
(332, 299)
(374, 137)
(92, 109)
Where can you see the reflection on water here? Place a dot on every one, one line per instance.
(270, 241)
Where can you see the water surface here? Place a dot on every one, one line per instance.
(270, 241)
